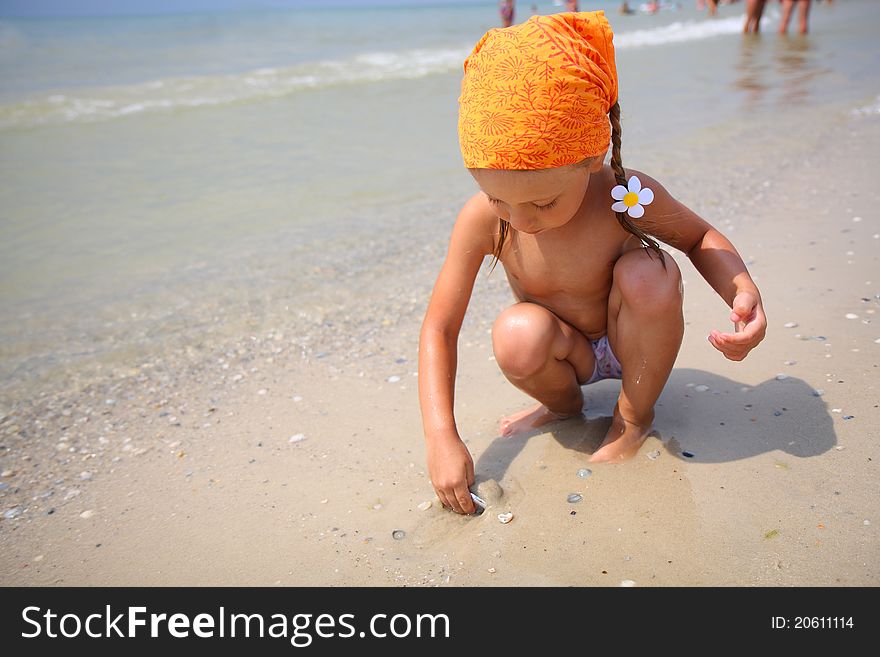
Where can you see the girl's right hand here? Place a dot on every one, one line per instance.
(451, 469)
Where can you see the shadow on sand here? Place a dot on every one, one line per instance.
(711, 417)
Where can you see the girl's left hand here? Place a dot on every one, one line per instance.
(750, 325)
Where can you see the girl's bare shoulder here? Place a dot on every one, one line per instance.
(667, 218)
(477, 224)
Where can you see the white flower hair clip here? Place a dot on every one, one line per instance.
(632, 198)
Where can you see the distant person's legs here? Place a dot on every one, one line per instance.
(803, 15)
(754, 11)
(713, 7)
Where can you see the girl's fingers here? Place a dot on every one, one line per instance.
(442, 497)
(463, 497)
(733, 352)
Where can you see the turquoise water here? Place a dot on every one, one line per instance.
(153, 169)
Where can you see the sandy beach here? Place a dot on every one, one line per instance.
(290, 458)
(216, 252)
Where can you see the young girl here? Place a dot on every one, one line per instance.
(597, 297)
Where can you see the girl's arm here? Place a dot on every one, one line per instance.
(718, 262)
(450, 465)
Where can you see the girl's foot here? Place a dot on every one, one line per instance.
(622, 442)
(530, 419)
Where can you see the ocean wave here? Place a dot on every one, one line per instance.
(868, 110)
(679, 32)
(170, 94)
(66, 106)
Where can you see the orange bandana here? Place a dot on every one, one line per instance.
(537, 95)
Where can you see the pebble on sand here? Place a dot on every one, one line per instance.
(574, 498)
(583, 473)
(88, 513)
(790, 324)
(505, 518)
(424, 506)
(852, 316)
(296, 438)
(393, 379)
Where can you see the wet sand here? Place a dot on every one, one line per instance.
(289, 455)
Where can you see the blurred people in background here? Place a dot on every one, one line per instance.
(803, 15)
(505, 7)
(754, 10)
(624, 9)
(571, 5)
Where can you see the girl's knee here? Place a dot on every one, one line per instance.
(522, 339)
(643, 281)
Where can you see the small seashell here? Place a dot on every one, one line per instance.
(583, 473)
(297, 437)
(852, 316)
(424, 506)
(393, 379)
(781, 377)
(701, 388)
(398, 534)
(491, 570)
(87, 514)
(790, 324)
(654, 455)
(505, 518)
(866, 522)
(574, 498)
(628, 583)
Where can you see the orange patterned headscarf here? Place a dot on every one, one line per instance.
(537, 95)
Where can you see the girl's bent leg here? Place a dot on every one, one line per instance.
(544, 357)
(645, 328)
